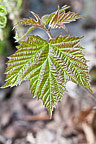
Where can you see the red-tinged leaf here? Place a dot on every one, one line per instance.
(47, 18)
(33, 23)
(60, 18)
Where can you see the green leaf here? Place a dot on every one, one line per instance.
(48, 66)
(3, 19)
(3, 11)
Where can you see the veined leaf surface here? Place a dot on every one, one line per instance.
(33, 23)
(48, 66)
(60, 18)
(47, 18)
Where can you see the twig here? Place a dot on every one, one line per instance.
(90, 137)
(36, 117)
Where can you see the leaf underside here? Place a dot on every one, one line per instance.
(48, 66)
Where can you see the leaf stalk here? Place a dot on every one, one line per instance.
(49, 34)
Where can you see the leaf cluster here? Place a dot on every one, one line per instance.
(57, 19)
(48, 65)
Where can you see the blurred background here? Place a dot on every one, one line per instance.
(24, 120)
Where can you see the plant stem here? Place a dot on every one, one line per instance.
(49, 33)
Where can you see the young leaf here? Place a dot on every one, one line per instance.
(54, 20)
(33, 23)
(61, 17)
(48, 66)
(47, 18)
